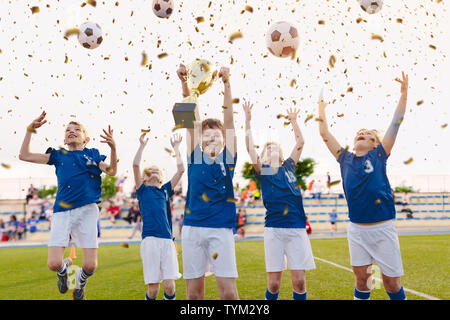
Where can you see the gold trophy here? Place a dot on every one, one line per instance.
(199, 79)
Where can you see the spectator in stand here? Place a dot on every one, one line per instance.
(13, 225)
(328, 182)
(114, 211)
(240, 223)
(244, 197)
(47, 205)
(308, 227)
(3, 231)
(34, 206)
(22, 229)
(136, 220)
(120, 197)
(405, 206)
(237, 193)
(31, 191)
(32, 222)
(333, 217)
(317, 190)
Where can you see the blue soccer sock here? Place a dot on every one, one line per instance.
(148, 298)
(400, 295)
(83, 277)
(361, 295)
(271, 296)
(298, 296)
(172, 297)
(63, 270)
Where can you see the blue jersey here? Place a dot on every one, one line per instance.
(210, 195)
(282, 197)
(366, 186)
(154, 204)
(78, 173)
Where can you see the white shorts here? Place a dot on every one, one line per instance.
(208, 249)
(80, 223)
(159, 259)
(375, 243)
(289, 245)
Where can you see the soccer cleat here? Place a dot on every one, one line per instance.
(63, 281)
(78, 291)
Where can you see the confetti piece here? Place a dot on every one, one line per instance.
(234, 36)
(286, 210)
(235, 100)
(144, 60)
(340, 115)
(31, 129)
(249, 9)
(281, 116)
(66, 59)
(169, 151)
(124, 245)
(409, 161)
(35, 10)
(399, 20)
(333, 183)
(293, 82)
(187, 210)
(309, 118)
(6, 166)
(178, 126)
(205, 197)
(145, 131)
(150, 110)
(444, 126)
(332, 61)
(378, 201)
(65, 204)
(350, 89)
(377, 37)
(215, 255)
(432, 47)
(92, 2)
(71, 32)
(63, 151)
(162, 55)
(419, 102)
(200, 19)
(109, 170)
(232, 200)
(321, 22)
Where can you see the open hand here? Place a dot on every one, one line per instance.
(224, 73)
(404, 82)
(108, 138)
(247, 110)
(293, 114)
(142, 140)
(182, 72)
(175, 141)
(38, 122)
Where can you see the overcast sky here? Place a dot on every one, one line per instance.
(108, 85)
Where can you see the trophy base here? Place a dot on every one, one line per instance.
(185, 114)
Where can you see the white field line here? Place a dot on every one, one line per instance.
(417, 293)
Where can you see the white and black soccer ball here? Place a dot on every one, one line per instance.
(163, 8)
(371, 6)
(282, 39)
(90, 35)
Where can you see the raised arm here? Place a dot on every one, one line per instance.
(137, 161)
(228, 115)
(391, 133)
(299, 141)
(331, 142)
(25, 153)
(192, 135)
(254, 157)
(175, 142)
(111, 168)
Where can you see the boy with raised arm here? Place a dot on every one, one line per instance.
(371, 233)
(158, 254)
(75, 212)
(284, 231)
(210, 212)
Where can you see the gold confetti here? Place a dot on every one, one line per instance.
(162, 55)
(281, 116)
(145, 131)
(150, 110)
(169, 151)
(340, 115)
(249, 9)
(232, 200)
(6, 166)
(309, 118)
(332, 61)
(92, 2)
(124, 245)
(321, 22)
(178, 126)
(35, 10)
(377, 37)
(187, 210)
(444, 126)
(71, 32)
(234, 36)
(65, 204)
(333, 183)
(63, 151)
(144, 60)
(293, 82)
(215, 255)
(399, 20)
(419, 102)
(31, 129)
(410, 160)
(378, 201)
(205, 197)
(350, 89)
(286, 210)
(200, 19)
(432, 47)
(66, 59)
(109, 170)
(235, 100)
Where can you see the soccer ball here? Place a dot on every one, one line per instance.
(371, 6)
(282, 39)
(90, 35)
(163, 8)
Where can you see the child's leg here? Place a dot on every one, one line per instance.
(169, 289)
(273, 285)
(152, 292)
(55, 258)
(394, 288)
(299, 284)
(89, 266)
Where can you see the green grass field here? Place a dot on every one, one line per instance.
(24, 274)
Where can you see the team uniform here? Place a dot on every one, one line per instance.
(210, 215)
(285, 237)
(369, 199)
(158, 253)
(75, 212)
